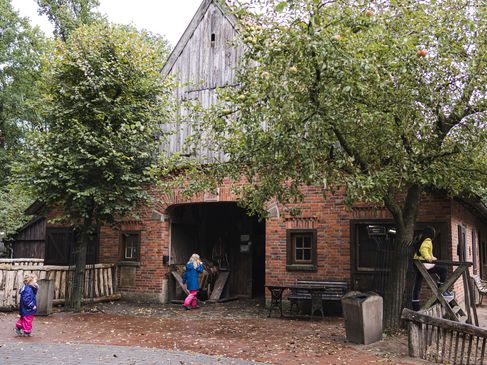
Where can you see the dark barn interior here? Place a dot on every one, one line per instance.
(223, 234)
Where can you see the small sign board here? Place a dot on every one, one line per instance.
(244, 248)
(376, 230)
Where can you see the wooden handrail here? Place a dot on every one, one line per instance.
(449, 262)
(413, 316)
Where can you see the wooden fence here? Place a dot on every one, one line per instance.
(443, 341)
(25, 262)
(100, 281)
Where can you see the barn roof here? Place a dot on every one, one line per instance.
(188, 33)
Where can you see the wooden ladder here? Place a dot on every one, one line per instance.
(459, 313)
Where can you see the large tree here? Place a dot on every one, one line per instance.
(68, 15)
(387, 99)
(21, 47)
(103, 101)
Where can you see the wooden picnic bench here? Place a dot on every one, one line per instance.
(481, 286)
(316, 291)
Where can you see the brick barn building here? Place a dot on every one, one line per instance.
(328, 241)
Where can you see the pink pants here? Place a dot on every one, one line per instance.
(25, 323)
(191, 299)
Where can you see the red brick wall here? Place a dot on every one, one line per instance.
(331, 218)
(461, 215)
(328, 215)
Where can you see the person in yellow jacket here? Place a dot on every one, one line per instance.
(425, 253)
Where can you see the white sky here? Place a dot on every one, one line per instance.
(167, 17)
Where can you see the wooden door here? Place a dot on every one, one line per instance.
(462, 243)
(483, 257)
(59, 242)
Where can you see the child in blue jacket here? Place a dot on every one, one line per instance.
(27, 305)
(193, 268)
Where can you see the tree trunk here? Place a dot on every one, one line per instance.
(405, 220)
(80, 249)
(396, 280)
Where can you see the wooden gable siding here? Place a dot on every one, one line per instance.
(200, 66)
(30, 241)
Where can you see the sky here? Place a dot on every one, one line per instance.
(167, 17)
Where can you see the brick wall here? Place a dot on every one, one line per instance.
(462, 215)
(327, 214)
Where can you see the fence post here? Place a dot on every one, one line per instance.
(414, 342)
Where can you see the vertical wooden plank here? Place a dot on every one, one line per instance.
(9, 288)
(443, 346)
(469, 349)
(422, 351)
(476, 349)
(482, 353)
(62, 285)
(42, 274)
(414, 339)
(457, 340)
(18, 282)
(462, 352)
(96, 283)
(105, 281)
(2, 287)
(437, 344)
(57, 284)
(450, 347)
(110, 281)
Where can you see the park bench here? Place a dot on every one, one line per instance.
(332, 291)
(481, 286)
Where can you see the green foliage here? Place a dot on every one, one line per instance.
(21, 48)
(13, 202)
(103, 101)
(68, 15)
(380, 98)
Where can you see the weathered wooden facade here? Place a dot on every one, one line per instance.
(51, 242)
(204, 60)
(328, 241)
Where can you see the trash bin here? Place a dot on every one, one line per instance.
(45, 295)
(363, 317)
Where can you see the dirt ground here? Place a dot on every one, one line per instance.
(237, 329)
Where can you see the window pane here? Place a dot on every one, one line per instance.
(130, 242)
(302, 246)
(307, 254)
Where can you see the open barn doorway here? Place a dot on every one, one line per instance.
(227, 239)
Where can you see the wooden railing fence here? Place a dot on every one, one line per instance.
(443, 341)
(28, 262)
(100, 282)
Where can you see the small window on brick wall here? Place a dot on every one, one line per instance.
(301, 250)
(130, 246)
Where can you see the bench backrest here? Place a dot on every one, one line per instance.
(322, 283)
(334, 289)
(481, 285)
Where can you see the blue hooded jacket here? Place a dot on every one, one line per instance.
(28, 300)
(191, 276)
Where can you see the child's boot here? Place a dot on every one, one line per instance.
(18, 331)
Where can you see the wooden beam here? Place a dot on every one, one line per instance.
(435, 289)
(221, 280)
(413, 316)
(179, 280)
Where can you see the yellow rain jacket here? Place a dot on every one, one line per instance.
(426, 251)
